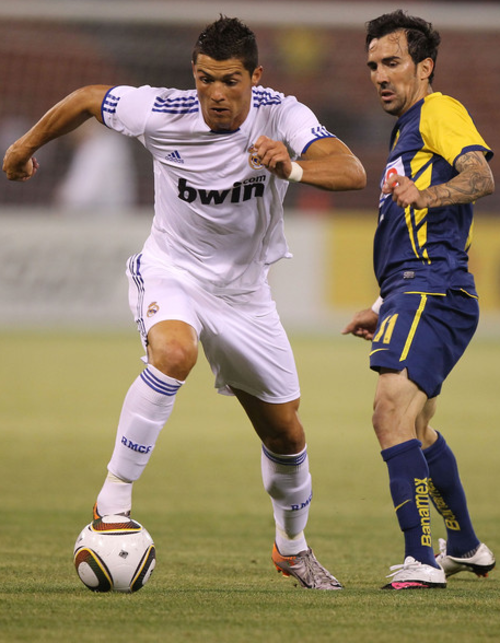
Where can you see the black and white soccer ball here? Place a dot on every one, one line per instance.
(114, 553)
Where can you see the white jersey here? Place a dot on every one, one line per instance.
(218, 211)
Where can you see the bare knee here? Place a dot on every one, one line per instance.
(173, 349)
(398, 403)
(384, 420)
(283, 432)
(425, 433)
(285, 437)
(277, 425)
(173, 359)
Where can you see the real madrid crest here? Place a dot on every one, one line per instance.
(153, 308)
(253, 159)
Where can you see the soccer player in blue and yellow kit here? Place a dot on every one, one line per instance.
(428, 309)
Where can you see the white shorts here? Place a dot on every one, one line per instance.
(242, 336)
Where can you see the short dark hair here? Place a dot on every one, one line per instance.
(423, 39)
(228, 38)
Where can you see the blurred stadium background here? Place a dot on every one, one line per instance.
(64, 242)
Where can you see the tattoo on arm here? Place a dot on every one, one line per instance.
(474, 181)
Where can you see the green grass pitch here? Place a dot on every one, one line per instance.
(202, 500)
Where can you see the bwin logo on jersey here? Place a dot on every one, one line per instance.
(241, 191)
(140, 448)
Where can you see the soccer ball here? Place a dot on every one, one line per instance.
(114, 553)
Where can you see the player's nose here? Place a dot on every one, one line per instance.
(217, 94)
(381, 77)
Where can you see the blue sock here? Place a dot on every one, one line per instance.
(408, 480)
(448, 496)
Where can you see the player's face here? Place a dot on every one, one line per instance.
(399, 82)
(224, 90)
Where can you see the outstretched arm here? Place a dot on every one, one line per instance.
(328, 163)
(474, 180)
(363, 324)
(19, 163)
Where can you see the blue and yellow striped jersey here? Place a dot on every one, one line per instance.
(426, 250)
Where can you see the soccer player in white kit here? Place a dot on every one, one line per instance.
(224, 155)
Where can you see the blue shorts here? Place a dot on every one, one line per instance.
(425, 333)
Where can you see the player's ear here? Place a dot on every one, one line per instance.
(257, 75)
(426, 67)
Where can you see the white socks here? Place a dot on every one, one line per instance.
(288, 482)
(115, 496)
(147, 406)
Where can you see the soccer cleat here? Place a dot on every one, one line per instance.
(482, 562)
(97, 516)
(306, 569)
(413, 574)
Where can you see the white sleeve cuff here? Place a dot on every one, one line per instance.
(377, 305)
(295, 175)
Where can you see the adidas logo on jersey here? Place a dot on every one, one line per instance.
(174, 157)
(241, 191)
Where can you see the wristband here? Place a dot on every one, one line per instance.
(295, 175)
(377, 305)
